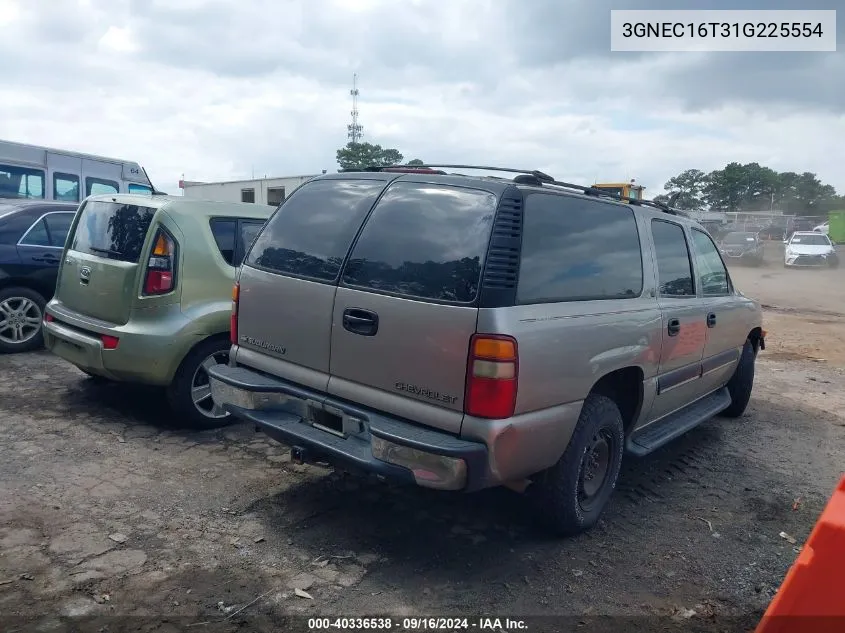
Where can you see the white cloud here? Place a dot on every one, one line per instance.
(10, 12)
(216, 89)
(119, 40)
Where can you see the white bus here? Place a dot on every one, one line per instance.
(42, 173)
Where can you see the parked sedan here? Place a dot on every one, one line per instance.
(32, 236)
(807, 248)
(823, 228)
(743, 246)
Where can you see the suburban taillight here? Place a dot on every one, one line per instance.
(492, 370)
(109, 342)
(161, 265)
(233, 319)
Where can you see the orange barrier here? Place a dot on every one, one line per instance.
(812, 596)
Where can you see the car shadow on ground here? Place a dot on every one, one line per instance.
(133, 404)
(340, 514)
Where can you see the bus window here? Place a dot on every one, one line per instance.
(65, 187)
(97, 186)
(142, 189)
(21, 182)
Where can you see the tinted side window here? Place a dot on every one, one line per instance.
(249, 229)
(674, 270)
(97, 186)
(424, 241)
(224, 234)
(58, 225)
(575, 250)
(66, 187)
(12, 226)
(711, 270)
(310, 234)
(112, 230)
(37, 235)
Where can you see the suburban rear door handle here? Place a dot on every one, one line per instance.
(711, 319)
(674, 327)
(359, 321)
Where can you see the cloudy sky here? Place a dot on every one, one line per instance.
(222, 89)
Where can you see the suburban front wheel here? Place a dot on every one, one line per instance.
(741, 383)
(572, 494)
(190, 392)
(21, 313)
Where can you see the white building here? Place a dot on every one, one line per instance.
(270, 191)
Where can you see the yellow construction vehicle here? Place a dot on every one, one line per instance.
(624, 189)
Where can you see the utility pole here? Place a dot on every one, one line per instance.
(354, 130)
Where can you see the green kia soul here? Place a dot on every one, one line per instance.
(144, 292)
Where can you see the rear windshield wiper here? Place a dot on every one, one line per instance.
(107, 251)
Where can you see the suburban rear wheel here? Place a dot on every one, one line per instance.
(572, 494)
(21, 313)
(190, 392)
(741, 383)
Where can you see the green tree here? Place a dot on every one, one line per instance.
(689, 185)
(726, 187)
(415, 161)
(810, 192)
(751, 187)
(761, 185)
(363, 155)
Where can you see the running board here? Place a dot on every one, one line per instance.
(649, 438)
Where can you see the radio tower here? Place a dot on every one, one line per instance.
(354, 129)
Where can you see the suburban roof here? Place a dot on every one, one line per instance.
(524, 180)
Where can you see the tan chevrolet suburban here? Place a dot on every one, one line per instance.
(466, 331)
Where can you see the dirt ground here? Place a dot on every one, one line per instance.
(115, 518)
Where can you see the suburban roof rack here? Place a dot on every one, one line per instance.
(534, 177)
(403, 169)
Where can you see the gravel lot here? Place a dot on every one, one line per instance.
(108, 509)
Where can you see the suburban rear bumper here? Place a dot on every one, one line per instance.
(369, 440)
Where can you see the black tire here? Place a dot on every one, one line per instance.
(741, 383)
(26, 303)
(180, 391)
(557, 492)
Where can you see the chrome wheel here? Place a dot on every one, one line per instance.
(201, 388)
(595, 466)
(20, 320)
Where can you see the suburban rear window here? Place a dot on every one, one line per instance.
(112, 230)
(310, 234)
(574, 249)
(424, 241)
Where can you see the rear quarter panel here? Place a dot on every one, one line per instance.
(565, 348)
(205, 279)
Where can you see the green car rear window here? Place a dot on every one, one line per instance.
(112, 230)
